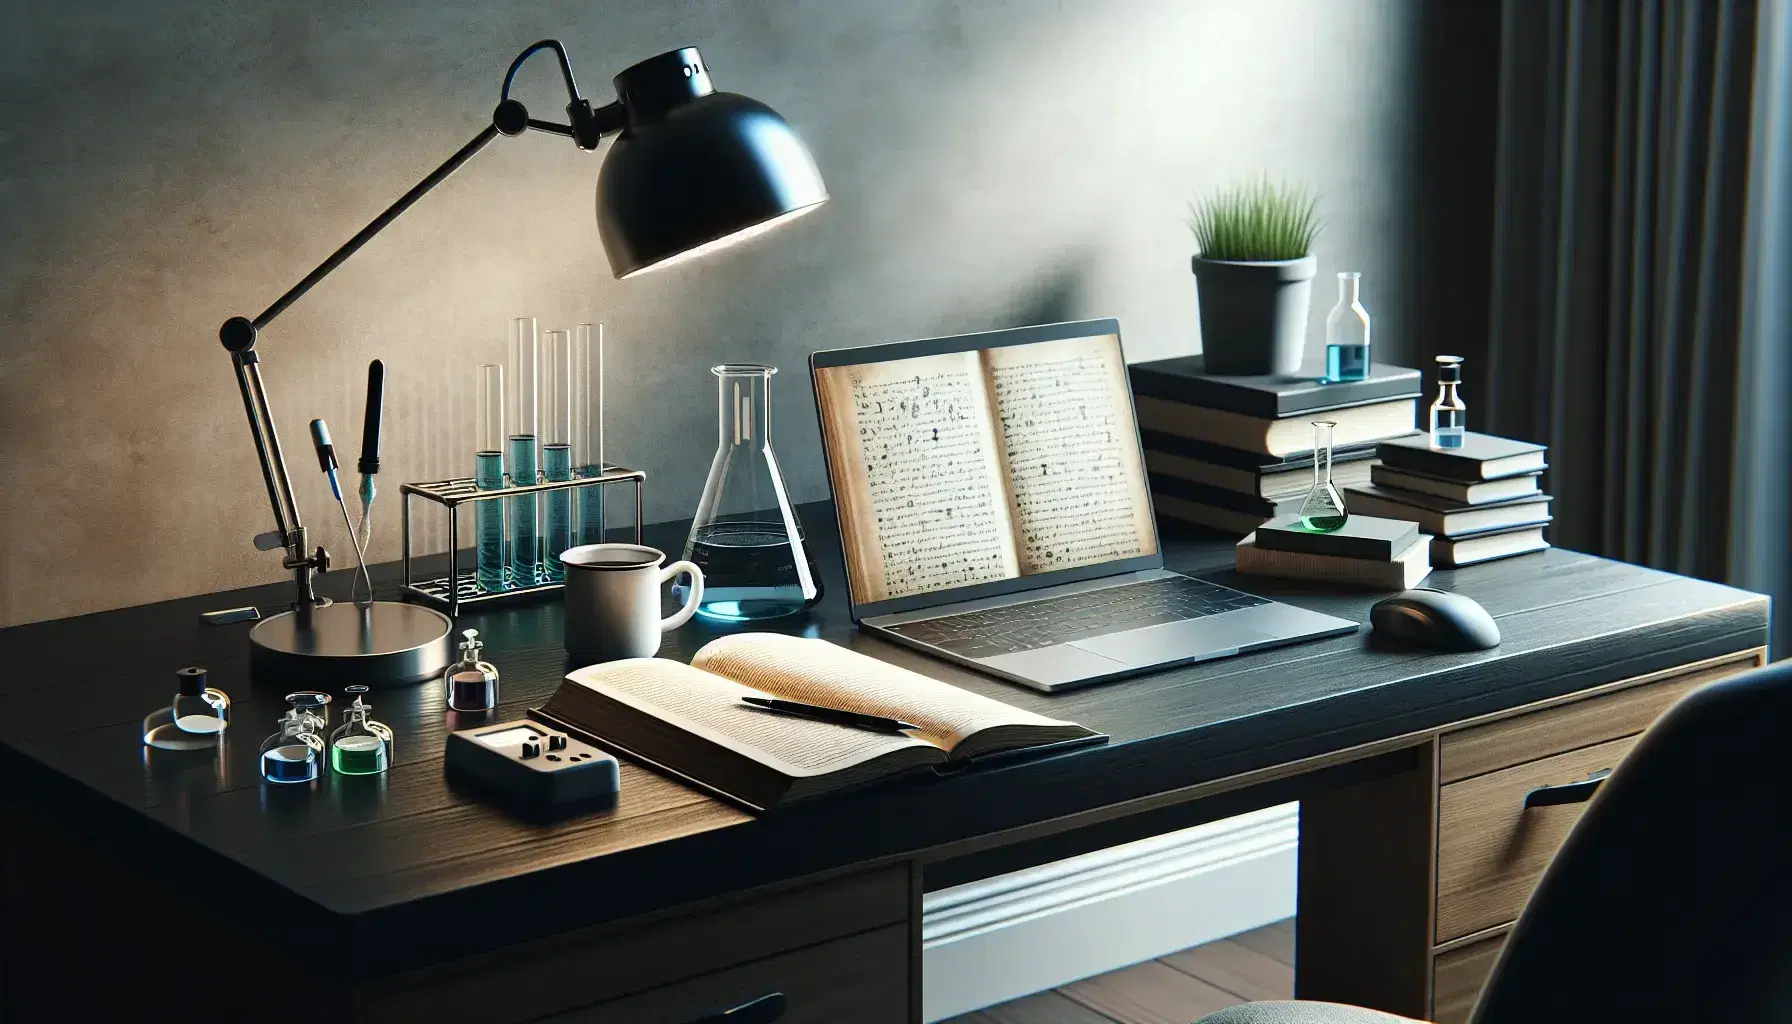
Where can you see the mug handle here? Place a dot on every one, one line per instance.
(683, 615)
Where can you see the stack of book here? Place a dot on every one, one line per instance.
(1481, 501)
(1231, 452)
(1385, 554)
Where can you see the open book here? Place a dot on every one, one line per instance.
(689, 719)
(984, 465)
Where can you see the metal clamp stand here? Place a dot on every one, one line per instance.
(385, 642)
(458, 588)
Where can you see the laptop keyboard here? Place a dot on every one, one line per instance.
(1057, 620)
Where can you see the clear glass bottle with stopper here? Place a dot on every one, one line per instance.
(1347, 332)
(471, 684)
(293, 752)
(1322, 511)
(746, 536)
(362, 746)
(1449, 414)
(195, 718)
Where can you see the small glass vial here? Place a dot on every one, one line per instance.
(292, 754)
(1323, 509)
(196, 717)
(471, 684)
(1449, 416)
(362, 746)
(1347, 332)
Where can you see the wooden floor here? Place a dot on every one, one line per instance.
(1174, 989)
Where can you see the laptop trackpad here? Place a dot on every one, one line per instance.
(1174, 641)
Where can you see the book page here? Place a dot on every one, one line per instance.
(916, 474)
(709, 706)
(818, 672)
(1071, 453)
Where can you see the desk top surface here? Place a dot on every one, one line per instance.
(407, 862)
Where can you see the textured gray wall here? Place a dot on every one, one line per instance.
(165, 165)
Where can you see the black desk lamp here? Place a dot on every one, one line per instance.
(691, 170)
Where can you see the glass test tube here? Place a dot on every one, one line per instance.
(488, 475)
(588, 426)
(524, 451)
(556, 449)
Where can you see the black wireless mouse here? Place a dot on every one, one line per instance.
(1436, 619)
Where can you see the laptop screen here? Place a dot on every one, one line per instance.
(962, 462)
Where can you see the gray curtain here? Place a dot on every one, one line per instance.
(1616, 330)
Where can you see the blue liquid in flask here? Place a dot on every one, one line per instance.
(1346, 362)
(488, 517)
(749, 572)
(525, 520)
(289, 762)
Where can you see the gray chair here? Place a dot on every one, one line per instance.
(1671, 900)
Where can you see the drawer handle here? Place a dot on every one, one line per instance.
(1567, 792)
(763, 1010)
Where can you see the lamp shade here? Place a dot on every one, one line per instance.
(695, 169)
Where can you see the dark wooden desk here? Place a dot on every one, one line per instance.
(396, 896)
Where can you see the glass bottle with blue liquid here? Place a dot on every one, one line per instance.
(1449, 414)
(746, 536)
(1347, 332)
(293, 753)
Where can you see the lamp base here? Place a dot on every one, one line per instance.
(386, 644)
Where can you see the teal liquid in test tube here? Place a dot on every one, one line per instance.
(556, 450)
(524, 450)
(588, 427)
(488, 475)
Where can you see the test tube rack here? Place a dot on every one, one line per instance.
(460, 587)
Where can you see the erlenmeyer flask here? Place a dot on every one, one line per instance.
(746, 536)
(1323, 508)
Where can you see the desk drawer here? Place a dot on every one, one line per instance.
(1623, 712)
(593, 966)
(863, 979)
(1491, 848)
(1458, 977)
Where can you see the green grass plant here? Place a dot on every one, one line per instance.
(1255, 222)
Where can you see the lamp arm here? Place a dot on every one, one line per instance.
(238, 334)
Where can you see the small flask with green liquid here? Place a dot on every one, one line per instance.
(362, 746)
(1322, 511)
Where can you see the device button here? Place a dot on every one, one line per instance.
(556, 742)
(553, 757)
(531, 749)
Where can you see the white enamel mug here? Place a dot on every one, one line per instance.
(613, 600)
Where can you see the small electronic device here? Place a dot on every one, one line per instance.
(533, 764)
(1436, 619)
(227, 616)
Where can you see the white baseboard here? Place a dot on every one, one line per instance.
(1000, 938)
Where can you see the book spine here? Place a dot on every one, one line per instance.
(1288, 565)
(1194, 389)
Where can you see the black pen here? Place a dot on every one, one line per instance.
(838, 716)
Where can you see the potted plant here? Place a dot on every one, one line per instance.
(1254, 276)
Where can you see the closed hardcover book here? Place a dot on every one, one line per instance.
(1365, 537)
(1277, 437)
(1441, 516)
(1247, 504)
(1272, 396)
(1455, 552)
(1468, 492)
(1269, 484)
(1212, 517)
(1405, 571)
(1481, 457)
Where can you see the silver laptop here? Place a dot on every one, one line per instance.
(994, 512)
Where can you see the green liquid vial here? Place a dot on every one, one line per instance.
(1322, 511)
